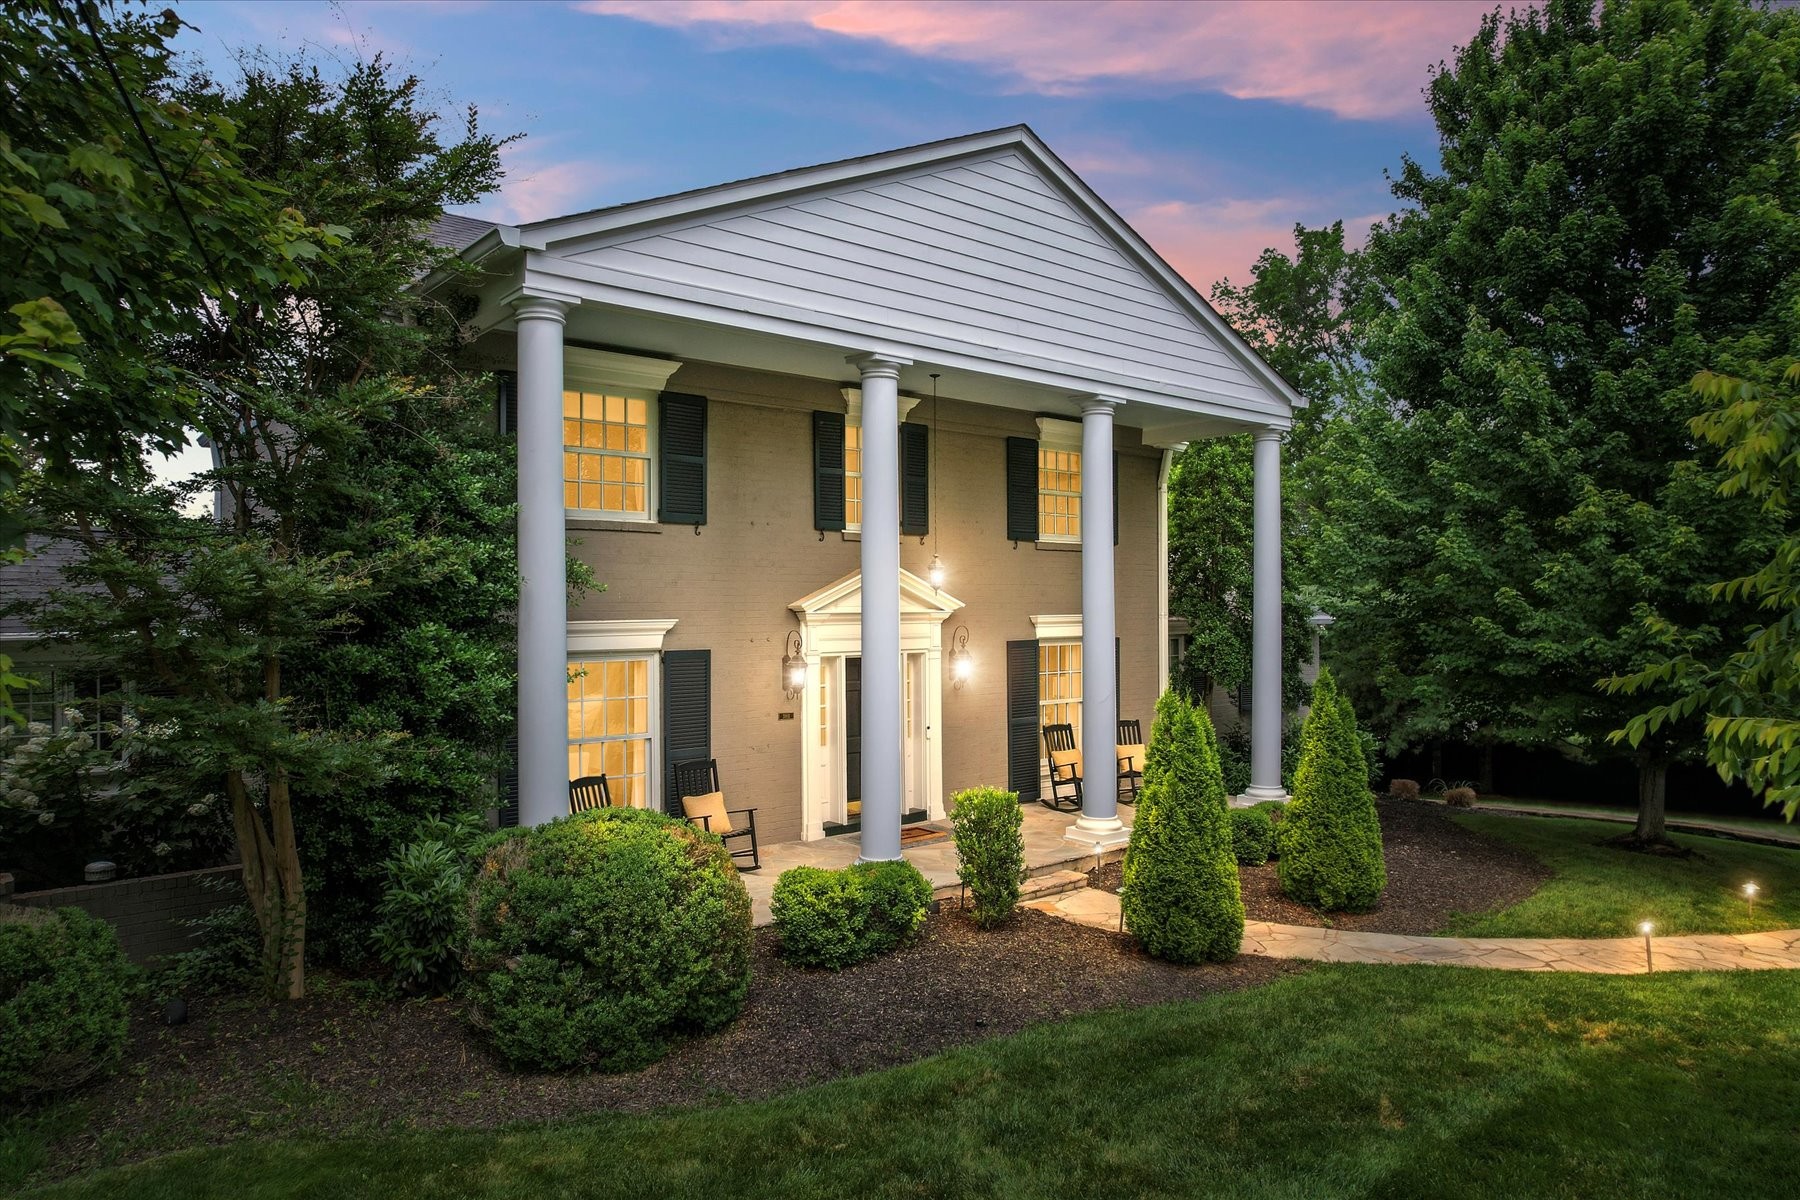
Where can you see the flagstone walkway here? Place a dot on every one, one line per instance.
(1598, 956)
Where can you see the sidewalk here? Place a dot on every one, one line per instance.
(1596, 956)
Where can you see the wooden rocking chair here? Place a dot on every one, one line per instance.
(1065, 768)
(1131, 759)
(703, 804)
(589, 793)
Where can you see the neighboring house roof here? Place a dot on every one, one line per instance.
(455, 232)
(984, 255)
(31, 581)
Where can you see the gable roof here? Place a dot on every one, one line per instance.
(983, 250)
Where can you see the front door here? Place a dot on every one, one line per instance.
(852, 739)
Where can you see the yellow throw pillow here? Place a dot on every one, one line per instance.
(710, 806)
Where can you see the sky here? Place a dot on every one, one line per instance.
(1211, 127)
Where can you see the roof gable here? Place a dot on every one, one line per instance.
(987, 243)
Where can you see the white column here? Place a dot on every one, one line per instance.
(1099, 681)
(543, 569)
(1267, 715)
(1163, 665)
(883, 763)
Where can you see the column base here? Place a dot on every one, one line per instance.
(1256, 795)
(1099, 833)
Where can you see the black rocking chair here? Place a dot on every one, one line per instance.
(1065, 767)
(703, 803)
(1131, 759)
(589, 793)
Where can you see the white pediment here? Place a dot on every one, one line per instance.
(985, 249)
(842, 600)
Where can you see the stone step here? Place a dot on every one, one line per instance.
(1052, 883)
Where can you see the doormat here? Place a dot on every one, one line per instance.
(921, 835)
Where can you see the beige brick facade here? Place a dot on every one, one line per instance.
(729, 587)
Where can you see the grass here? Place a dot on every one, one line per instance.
(1603, 891)
(1770, 825)
(1341, 1081)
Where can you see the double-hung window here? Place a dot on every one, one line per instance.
(609, 724)
(1059, 481)
(610, 434)
(1059, 684)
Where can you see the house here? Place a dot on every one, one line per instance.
(871, 459)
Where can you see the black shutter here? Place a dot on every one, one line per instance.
(1244, 698)
(1021, 489)
(506, 416)
(1022, 747)
(687, 715)
(507, 781)
(828, 470)
(1115, 497)
(915, 479)
(683, 480)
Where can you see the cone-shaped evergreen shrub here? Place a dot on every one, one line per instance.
(1330, 837)
(1180, 894)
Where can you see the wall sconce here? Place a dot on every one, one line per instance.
(793, 666)
(962, 664)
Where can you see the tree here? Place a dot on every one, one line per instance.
(1180, 895)
(1330, 835)
(243, 631)
(1749, 697)
(1612, 212)
(126, 220)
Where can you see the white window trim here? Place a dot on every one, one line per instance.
(633, 377)
(590, 641)
(1062, 436)
(1057, 627)
(853, 420)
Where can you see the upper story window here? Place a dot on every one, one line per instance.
(606, 454)
(853, 452)
(1059, 481)
(610, 434)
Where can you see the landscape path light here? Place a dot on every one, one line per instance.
(1644, 927)
(1750, 899)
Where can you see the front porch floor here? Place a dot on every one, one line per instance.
(1046, 849)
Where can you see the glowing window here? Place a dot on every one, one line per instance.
(606, 454)
(609, 725)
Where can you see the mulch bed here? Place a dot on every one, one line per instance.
(345, 1061)
(1435, 868)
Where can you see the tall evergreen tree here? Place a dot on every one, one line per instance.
(1613, 213)
(1330, 834)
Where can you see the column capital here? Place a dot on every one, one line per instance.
(1268, 433)
(540, 306)
(877, 365)
(1096, 404)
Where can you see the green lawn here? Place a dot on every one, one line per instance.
(1602, 891)
(1769, 825)
(1342, 1081)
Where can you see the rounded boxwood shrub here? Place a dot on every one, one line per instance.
(1330, 838)
(1403, 789)
(1252, 836)
(990, 850)
(598, 939)
(64, 983)
(836, 919)
(1179, 894)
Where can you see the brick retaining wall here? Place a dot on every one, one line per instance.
(149, 911)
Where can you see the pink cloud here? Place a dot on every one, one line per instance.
(1363, 59)
(538, 187)
(1207, 242)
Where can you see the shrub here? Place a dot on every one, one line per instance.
(424, 924)
(836, 919)
(1234, 758)
(597, 939)
(1180, 894)
(1330, 838)
(227, 953)
(990, 850)
(1252, 836)
(63, 988)
(1404, 789)
(1462, 797)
